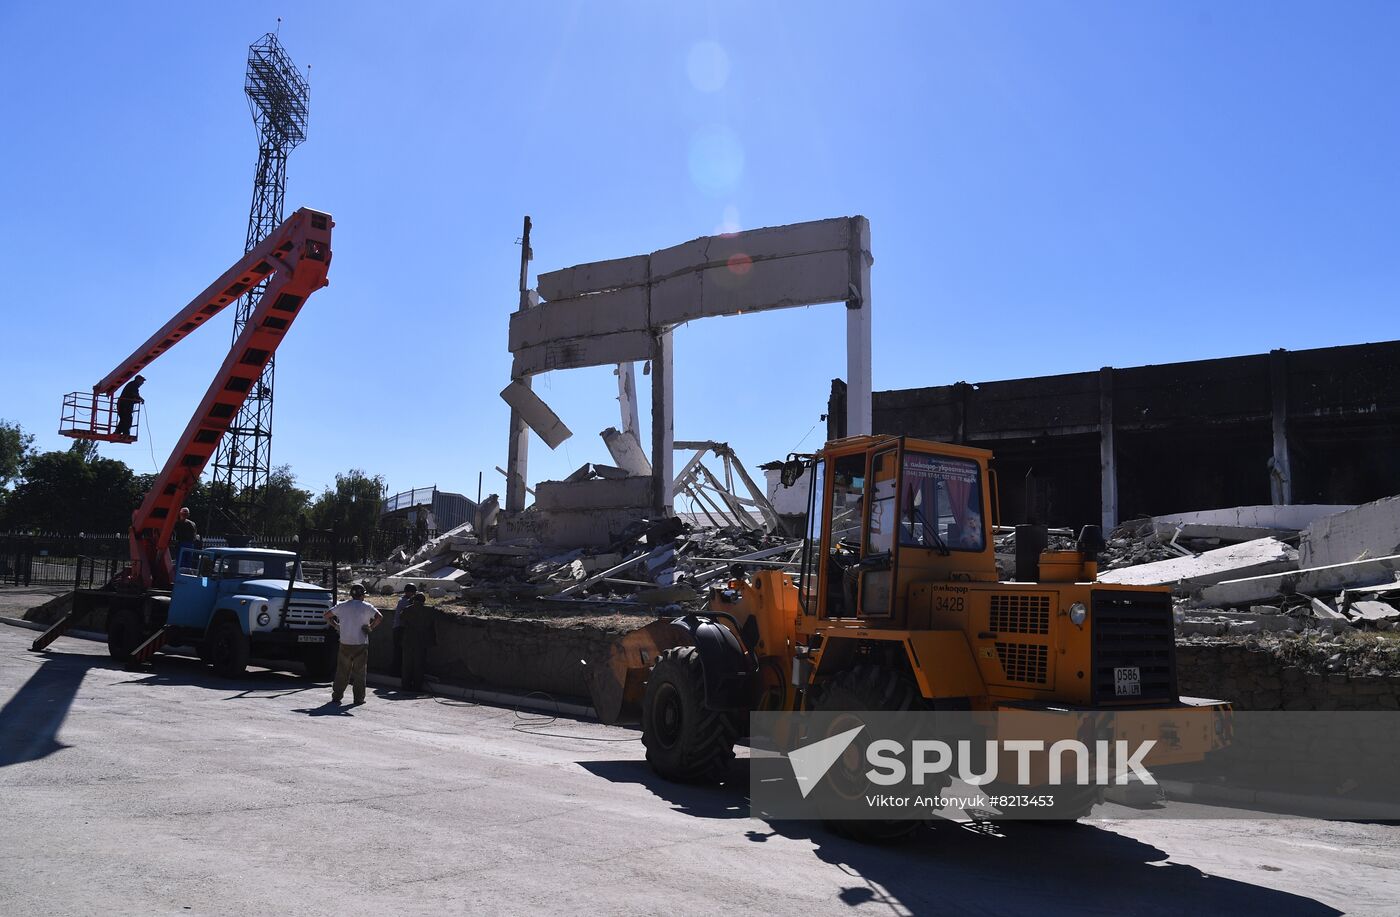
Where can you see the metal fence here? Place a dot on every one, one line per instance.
(89, 561)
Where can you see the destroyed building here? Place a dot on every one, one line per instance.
(438, 510)
(1306, 426)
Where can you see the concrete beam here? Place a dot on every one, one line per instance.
(587, 316)
(534, 412)
(1290, 518)
(1253, 558)
(732, 289)
(573, 353)
(1312, 581)
(595, 277)
(831, 235)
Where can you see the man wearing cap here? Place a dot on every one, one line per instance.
(409, 591)
(354, 618)
(127, 401)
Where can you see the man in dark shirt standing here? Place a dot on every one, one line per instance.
(409, 591)
(419, 634)
(127, 401)
(185, 534)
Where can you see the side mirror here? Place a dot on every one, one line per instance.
(792, 470)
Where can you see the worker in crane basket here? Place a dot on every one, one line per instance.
(127, 401)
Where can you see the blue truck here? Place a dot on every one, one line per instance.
(229, 604)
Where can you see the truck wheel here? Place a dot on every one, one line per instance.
(684, 741)
(865, 688)
(228, 649)
(124, 633)
(320, 662)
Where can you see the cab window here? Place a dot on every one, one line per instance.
(941, 505)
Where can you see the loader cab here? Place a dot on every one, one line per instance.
(888, 512)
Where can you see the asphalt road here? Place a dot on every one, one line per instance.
(173, 791)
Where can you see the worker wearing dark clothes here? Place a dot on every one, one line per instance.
(127, 401)
(409, 591)
(418, 635)
(184, 535)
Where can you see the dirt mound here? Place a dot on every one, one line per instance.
(52, 610)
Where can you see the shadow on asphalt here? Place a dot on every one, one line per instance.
(986, 867)
(31, 719)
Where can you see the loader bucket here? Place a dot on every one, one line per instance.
(617, 681)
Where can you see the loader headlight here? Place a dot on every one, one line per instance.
(1077, 613)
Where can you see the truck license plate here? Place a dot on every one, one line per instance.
(321, 638)
(1127, 680)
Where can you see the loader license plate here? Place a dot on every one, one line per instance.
(1127, 680)
(321, 638)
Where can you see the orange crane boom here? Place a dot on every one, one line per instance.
(294, 260)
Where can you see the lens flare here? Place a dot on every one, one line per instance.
(708, 66)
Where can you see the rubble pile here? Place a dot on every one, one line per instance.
(650, 562)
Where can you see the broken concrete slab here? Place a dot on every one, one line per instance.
(1372, 610)
(536, 413)
(1252, 558)
(593, 494)
(1369, 530)
(1324, 611)
(1169, 531)
(1294, 517)
(627, 452)
(1312, 581)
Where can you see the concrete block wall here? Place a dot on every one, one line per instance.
(1258, 680)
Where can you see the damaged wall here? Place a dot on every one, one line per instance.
(1307, 426)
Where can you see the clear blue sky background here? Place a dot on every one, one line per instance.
(1052, 187)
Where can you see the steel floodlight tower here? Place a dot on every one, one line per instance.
(278, 97)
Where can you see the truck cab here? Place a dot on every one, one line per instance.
(233, 603)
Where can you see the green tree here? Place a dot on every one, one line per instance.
(75, 491)
(352, 508)
(15, 449)
(281, 503)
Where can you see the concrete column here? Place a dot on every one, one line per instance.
(627, 399)
(1108, 458)
(858, 382)
(663, 434)
(1280, 468)
(518, 454)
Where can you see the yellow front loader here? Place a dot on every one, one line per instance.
(897, 605)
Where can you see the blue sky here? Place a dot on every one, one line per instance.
(1052, 187)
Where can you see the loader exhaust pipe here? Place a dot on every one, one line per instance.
(1031, 540)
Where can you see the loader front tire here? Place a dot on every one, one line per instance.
(685, 742)
(865, 688)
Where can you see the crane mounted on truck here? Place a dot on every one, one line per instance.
(898, 605)
(226, 602)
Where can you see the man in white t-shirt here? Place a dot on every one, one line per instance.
(354, 618)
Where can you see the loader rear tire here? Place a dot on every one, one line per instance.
(685, 742)
(873, 688)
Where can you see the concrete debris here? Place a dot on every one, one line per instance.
(536, 413)
(1252, 558)
(1371, 610)
(1369, 530)
(1292, 517)
(1311, 581)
